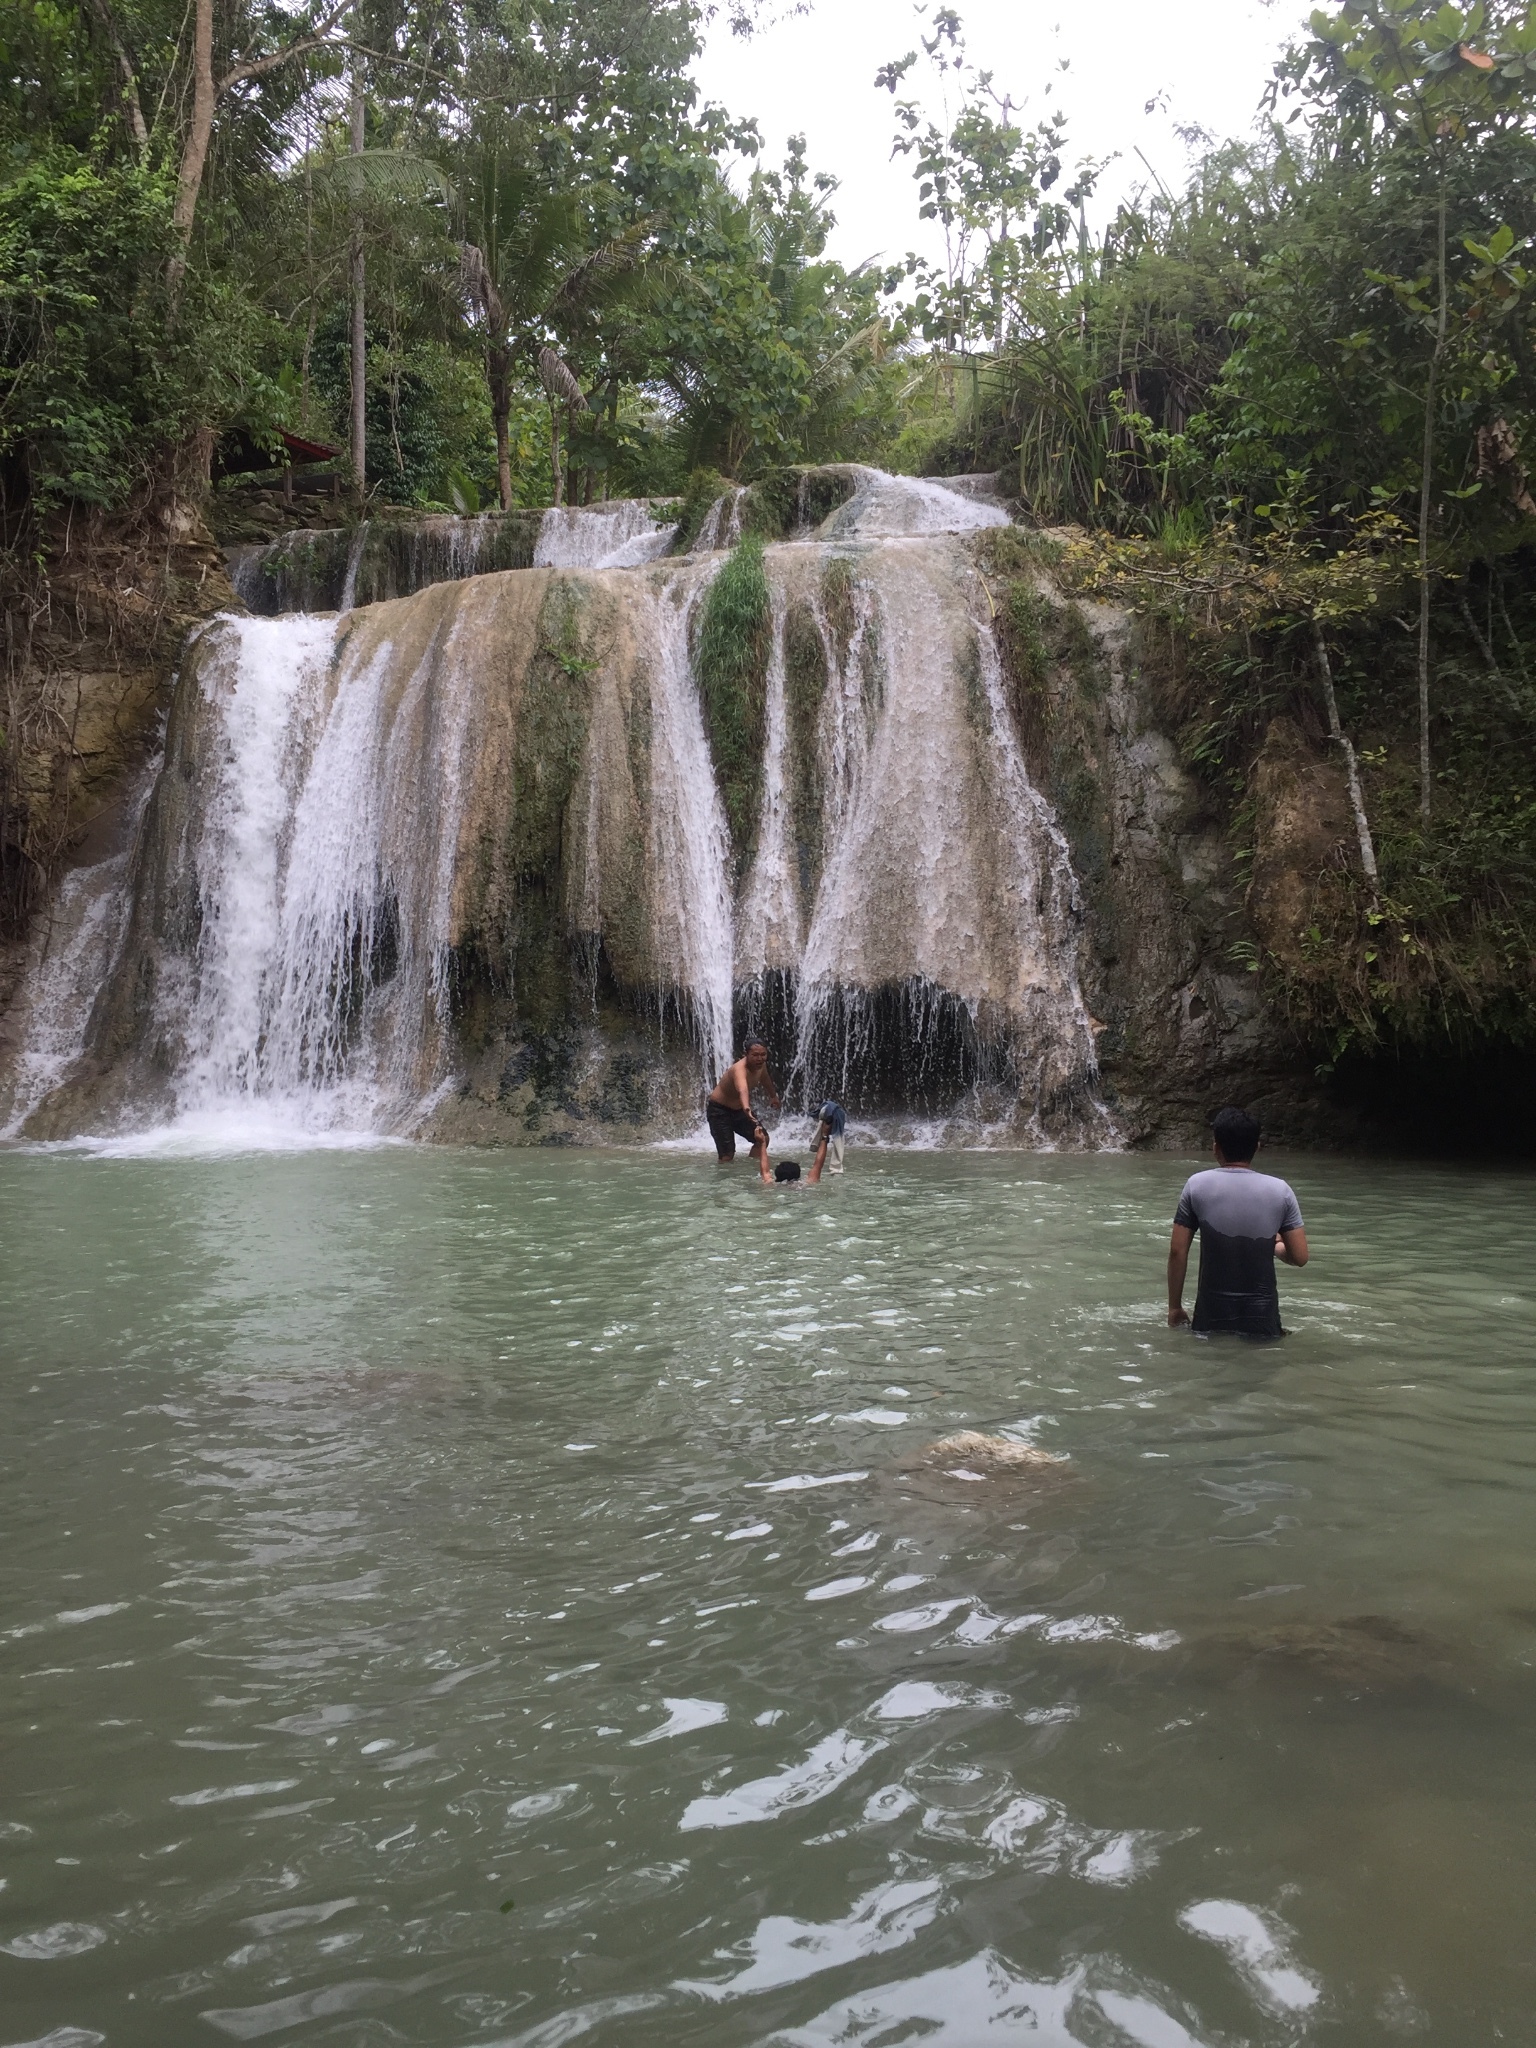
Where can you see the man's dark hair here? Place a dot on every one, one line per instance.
(751, 1046)
(1237, 1133)
(787, 1169)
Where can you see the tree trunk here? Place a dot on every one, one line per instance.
(194, 155)
(1426, 484)
(1484, 644)
(1351, 766)
(557, 475)
(359, 309)
(128, 81)
(498, 376)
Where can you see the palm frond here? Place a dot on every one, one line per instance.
(372, 176)
(559, 379)
(591, 278)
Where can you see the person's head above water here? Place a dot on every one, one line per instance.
(787, 1170)
(1235, 1133)
(755, 1053)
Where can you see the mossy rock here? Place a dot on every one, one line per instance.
(794, 499)
(704, 487)
(838, 581)
(805, 689)
(731, 663)
(1022, 625)
(306, 570)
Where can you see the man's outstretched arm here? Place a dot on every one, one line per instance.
(1178, 1265)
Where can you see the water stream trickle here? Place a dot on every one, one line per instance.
(620, 535)
(689, 840)
(354, 559)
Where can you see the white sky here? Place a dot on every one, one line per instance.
(1210, 60)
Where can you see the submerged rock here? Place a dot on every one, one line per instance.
(998, 1457)
(1369, 1650)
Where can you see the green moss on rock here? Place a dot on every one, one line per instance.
(704, 486)
(731, 661)
(805, 689)
(546, 760)
(788, 500)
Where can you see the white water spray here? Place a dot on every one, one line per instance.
(689, 839)
(621, 535)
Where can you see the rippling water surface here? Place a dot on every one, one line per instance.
(480, 1599)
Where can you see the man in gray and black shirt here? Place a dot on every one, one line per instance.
(1246, 1221)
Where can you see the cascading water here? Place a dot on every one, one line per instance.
(688, 838)
(73, 951)
(620, 535)
(337, 852)
(946, 901)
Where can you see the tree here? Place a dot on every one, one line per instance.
(769, 351)
(983, 178)
(1434, 79)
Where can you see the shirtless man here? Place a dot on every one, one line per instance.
(729, 1107)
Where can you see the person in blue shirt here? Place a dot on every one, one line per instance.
(827, 1145)
(1246, 1220)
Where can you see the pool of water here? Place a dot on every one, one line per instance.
(469, 1598)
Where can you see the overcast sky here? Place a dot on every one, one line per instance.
(1206, 61)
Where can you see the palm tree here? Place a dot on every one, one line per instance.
(528, 273)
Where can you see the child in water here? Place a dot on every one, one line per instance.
(827, 1145)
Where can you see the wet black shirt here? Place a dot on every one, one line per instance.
(1237, 1213)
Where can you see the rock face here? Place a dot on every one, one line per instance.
(514, 856)
(1173, 929)
(91, 652)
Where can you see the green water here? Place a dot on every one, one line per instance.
(390, 1536)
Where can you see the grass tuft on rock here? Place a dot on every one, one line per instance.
(731, 662)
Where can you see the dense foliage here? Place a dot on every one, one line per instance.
(1290, 411)
(521, 202)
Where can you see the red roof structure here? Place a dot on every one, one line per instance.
(300, 450)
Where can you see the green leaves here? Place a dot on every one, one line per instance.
(982, 176)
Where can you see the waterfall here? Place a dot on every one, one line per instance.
(688, 843)
(769, 928)
(885, 507)
(620, 535)
(721, 525)
(379, 830)
(354, 557)
(73, 950)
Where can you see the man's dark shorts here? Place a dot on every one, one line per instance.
(727, 1125)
